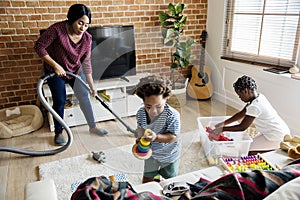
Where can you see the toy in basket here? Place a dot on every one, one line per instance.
(247, 163)
(214, 150)
(213, 136)
(142, 150)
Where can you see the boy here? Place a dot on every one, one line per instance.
(164, 124)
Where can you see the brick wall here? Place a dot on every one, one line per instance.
(21, 68)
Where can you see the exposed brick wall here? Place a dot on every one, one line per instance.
(21, 68)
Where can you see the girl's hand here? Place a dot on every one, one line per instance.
(221, 124)
(218, 131)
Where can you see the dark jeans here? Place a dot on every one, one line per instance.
(58, 91)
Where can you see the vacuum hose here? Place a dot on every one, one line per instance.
(60, 120)
(56, 116)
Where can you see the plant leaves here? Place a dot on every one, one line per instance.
(168, 41)
(163, 16)
(183, 19)
(174, 66)
(172, 9)
(170, 33)
(167, 24)
(190, 42)
(164, 33)
(173, 24)
(179, 8)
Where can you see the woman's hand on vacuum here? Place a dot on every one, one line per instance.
(90, 81)
(93, 92)
(59, 71)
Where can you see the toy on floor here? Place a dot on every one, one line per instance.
(142, 150)
(99, 156)
(291, 144)
(120, 177)
(213, 136)
(247, 163)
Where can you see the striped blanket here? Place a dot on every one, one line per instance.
(244, 185)
(253, 185)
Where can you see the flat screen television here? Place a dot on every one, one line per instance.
(113, 51)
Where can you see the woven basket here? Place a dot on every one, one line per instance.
(177, 100)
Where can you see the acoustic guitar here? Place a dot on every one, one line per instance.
(200, 86)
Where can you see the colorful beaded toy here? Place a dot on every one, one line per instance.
(142, 150)
(247, 163)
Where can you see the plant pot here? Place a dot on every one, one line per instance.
(178, 99)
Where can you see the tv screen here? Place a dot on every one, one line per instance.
(113, 51)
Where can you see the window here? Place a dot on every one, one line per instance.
(262, 31)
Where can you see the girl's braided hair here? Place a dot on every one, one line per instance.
(245, 82)
(154, 85)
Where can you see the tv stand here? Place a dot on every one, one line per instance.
(115, 92)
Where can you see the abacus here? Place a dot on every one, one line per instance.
(142, 150)
(247, 163)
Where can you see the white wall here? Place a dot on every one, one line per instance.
(282, 91)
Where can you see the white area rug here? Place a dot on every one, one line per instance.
(67, 171)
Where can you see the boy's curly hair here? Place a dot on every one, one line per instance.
(245, 82)
(154, 85)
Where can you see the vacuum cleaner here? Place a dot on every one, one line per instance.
(60, 120)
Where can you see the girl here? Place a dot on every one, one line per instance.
(258, 111)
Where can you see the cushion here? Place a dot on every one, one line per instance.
(38, 190)
(153, 187)
(20, 120)
(288, 191)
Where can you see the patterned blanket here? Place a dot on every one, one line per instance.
(253, 185)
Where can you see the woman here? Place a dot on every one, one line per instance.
(66, 46)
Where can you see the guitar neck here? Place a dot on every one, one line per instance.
(202, 60)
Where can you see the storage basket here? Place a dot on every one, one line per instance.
(215, 149)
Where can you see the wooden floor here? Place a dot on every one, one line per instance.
(17, 170)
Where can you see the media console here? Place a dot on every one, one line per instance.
(116, 92)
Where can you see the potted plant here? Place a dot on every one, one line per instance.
(181, 56)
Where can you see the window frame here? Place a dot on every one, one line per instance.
(243, 57)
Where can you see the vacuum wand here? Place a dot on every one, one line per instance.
(60, 120)
(105, 105)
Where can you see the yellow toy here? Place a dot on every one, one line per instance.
(142, 150)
